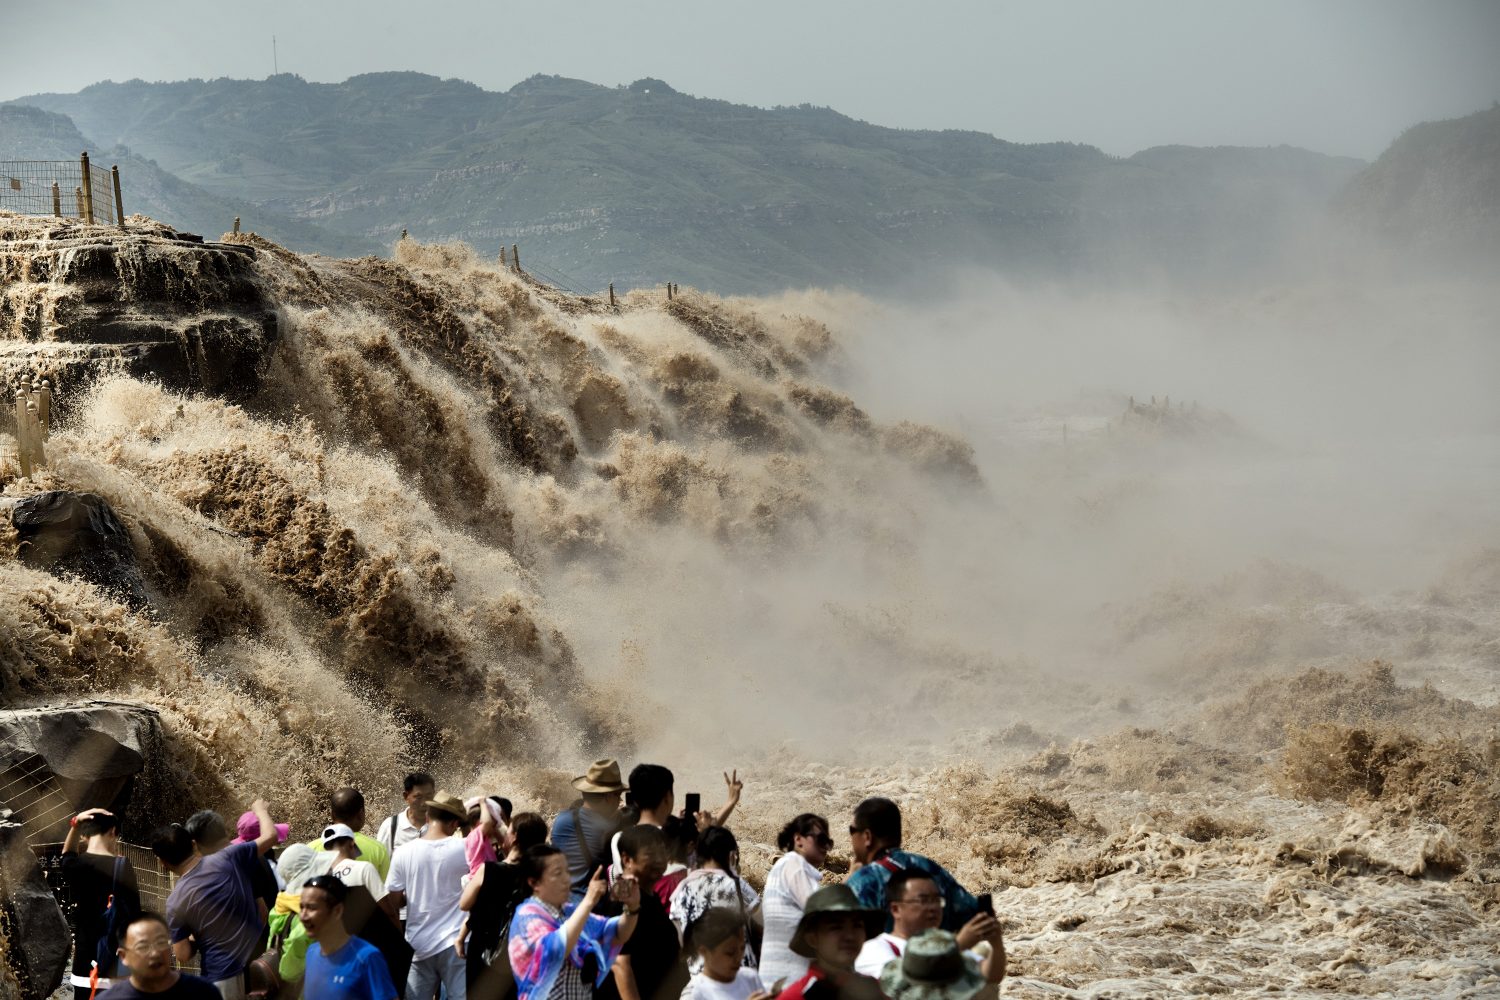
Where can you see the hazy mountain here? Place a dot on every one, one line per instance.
(643, 184)
(1435, 191)
(28, 133)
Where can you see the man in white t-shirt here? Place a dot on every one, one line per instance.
(917, 905)
(427, 879)
(339, 840)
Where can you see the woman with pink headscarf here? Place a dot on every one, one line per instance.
(489, 840)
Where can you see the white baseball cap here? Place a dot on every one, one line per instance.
(338, 831)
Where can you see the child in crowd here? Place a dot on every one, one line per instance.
(719, 940)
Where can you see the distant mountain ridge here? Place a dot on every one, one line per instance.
(643, 184)
(1435, 191)
(31, 133)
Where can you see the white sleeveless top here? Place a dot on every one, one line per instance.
(788, 885)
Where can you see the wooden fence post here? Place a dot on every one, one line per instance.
(611, 294)
(44, 409)
(114, 173)
(78, 197)
(236, 225)
(88, 187)
(515, 256)
(56, 200)
(23, 449)
(38, 450)
(669, 291)
(502, 256)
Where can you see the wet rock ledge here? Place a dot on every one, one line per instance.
(78, 301)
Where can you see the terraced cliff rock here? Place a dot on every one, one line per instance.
(78, 301)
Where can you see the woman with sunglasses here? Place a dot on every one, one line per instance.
(792, 879)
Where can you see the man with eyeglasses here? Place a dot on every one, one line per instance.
(917, 906)
(146, 950)
(339, 966)
(875, 841)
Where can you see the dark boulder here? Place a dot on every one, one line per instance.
(58, 760)
(65, 532)
(34, 936)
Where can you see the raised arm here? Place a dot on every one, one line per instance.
(734, 786)
(267, 838)
(572, 927)
(632, 903)
(985, 929)
(70, 842)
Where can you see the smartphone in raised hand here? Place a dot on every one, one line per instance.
(692, 804)
(987, 903)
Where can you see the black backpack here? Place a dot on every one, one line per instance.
(114, 920)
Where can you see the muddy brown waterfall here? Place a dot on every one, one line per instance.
(1203, 687)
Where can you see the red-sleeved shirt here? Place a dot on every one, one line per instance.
(797, 989)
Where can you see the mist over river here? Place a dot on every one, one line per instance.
(1171, 618)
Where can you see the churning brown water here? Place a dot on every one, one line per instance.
(1203, 686)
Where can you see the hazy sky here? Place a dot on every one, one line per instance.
(1341, 76)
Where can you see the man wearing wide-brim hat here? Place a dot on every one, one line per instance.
(582, 831)
(833, 928)
(933, 967)
(428, 873)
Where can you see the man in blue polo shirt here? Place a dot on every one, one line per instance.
(339, 967)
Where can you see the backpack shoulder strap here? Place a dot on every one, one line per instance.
(590, 861)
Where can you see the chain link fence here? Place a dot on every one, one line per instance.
(67, 189)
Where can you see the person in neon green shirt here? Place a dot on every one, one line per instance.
(297, 866)
(347, 806)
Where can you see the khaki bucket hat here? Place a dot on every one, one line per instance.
(447, 802)
(603, 776)
(828, 900)
(932, 968)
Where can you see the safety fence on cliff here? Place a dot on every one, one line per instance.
(153, 884)
(67, 189)
(31, 796)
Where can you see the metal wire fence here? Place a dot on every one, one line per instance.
(67, 189)
(29, 790)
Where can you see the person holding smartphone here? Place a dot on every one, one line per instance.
(916, 906)
(552, 938)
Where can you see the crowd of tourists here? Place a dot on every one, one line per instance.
(454, 899)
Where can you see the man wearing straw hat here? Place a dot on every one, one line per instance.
(582, 831)
(933, 967)
(427, 878)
